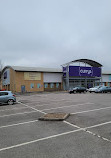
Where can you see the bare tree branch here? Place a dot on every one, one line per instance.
(1, 65)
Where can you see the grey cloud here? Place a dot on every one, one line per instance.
(41, 32)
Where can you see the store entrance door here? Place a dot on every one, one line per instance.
(22, 88)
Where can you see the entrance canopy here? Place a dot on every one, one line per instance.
(87, 61)
(81, 75)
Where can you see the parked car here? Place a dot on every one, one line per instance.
(7, 97)
(104, 89)
(93, 89)
(78, 90)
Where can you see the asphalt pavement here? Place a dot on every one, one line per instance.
(84, 134)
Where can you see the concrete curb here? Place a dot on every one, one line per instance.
(53, 118)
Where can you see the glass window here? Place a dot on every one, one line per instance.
(3, 93)
(6, 93)
(103, 84)
(108, 84)
(109, 77)
(57, 85)
(32, 85)
(38, 85)
(46, 85)
(51, 85)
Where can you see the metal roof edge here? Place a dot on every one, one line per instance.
(88, 61)
(34, 69)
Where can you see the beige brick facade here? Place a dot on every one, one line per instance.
(19, 81)
(22, 81)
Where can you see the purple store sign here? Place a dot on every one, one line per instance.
(83, 71)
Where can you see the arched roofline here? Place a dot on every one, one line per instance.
(87, 61)
(6, 67)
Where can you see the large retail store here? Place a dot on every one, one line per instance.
(82, 72)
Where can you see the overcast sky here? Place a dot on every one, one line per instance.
(48, 33)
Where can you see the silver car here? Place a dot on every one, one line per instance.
(104, 89)
(7, 97)
(93, 89)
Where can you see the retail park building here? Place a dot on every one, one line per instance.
(82, 72)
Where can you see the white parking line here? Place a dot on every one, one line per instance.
(38, 140)
(43, 104)
(18, 114)
(72, 124)
(60, 100)
(14, 109)
(54, 136)
(17, 124)
(32, 108)
(109, 107)
(98, 125)
(40, 105)
(65, 106)
(92, 133)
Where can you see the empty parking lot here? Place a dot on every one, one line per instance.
(86, 133)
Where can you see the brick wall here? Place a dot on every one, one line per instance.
(27, 83)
